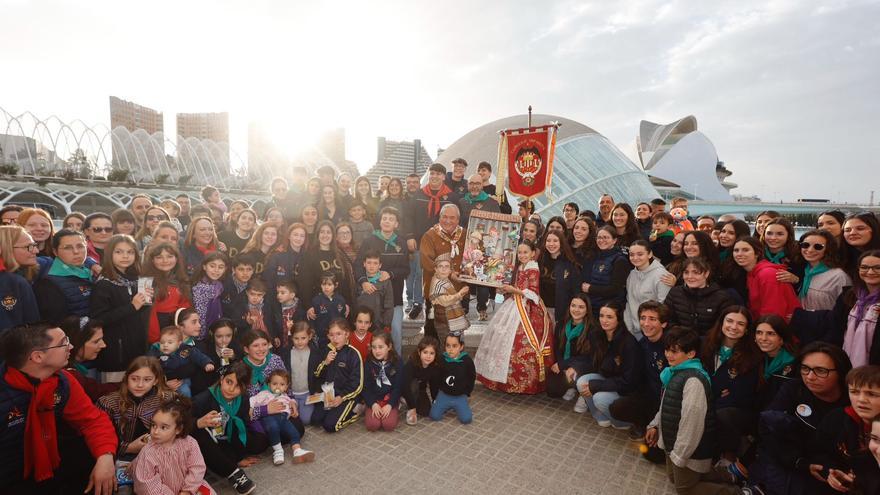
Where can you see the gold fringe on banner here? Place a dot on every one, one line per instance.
(501, 175)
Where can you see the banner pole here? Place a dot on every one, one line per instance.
(530, 116)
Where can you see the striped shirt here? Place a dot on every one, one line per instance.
(170, 468)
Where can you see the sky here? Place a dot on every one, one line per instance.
(787, 90)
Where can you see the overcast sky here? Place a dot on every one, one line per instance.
(786, 90)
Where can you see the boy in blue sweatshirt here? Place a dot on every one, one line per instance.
(456, 381)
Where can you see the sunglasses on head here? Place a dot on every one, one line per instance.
(817, 247)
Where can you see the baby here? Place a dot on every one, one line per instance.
(176, 359)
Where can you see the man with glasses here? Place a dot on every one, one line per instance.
(570, 213)
(55, 440)
(477, 199)
(9, 214)
(98, 229)
(66, 289)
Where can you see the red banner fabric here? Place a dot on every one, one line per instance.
(529, 156)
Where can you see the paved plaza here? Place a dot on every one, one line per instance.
(516, 444)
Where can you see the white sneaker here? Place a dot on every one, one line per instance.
(580, 406)
(278, 457)
(605, 423)
(301, 455)
(569, 394)
(359, 409)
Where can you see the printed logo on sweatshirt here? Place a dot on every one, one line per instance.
(342, 364)
(184, 353)
(9, 302)
(14, 418)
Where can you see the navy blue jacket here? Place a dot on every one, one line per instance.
(655, 362)
(622, 365)
(17, 302)
(346, 372)
(374, 392)
(326, 310)
(177, 364)
(732, 388)
(395, 261)
(59, 297)
(607, 278)
(280, 266)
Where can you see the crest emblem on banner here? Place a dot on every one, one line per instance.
(528, 163)
(525, 160)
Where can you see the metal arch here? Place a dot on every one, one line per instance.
(194, 159)
(117, 137)
(31, 158)
(209, 159)
(557, 199)
(46, 194)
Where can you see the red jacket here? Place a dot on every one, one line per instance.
(767, 295)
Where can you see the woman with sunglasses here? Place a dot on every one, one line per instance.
(787, 426)
(823, 278)
(98, 229)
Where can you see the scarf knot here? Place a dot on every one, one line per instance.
(691, 364)
(390, 242)
(571, 333)
(778, 363)
(452, 238)
(434, 198)
(809, 273)
(382, 379)
(62, 269)
(479, 198)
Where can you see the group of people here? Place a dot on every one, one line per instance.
(147, 345)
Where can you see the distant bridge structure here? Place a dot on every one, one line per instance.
(715, 208)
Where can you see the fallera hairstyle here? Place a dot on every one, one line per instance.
(831, 253)
(864, 376)
(180, 408)
(161, 280)
(661, 309)
(682, 338)
(415, 358)
(108, 269)
(386, 338)
(745, 352)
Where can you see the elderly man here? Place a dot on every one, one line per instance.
(39, 455)
(66, 289)
(447, 237)
(476, 199)
(139, 205)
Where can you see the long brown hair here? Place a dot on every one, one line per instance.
(162, 390)
(744, 352)
(162, 280)
(598, 339)
(108, 269)
(582, 344)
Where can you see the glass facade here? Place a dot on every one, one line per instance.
(586, 167)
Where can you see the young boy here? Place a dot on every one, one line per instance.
(257, 314)
(362, 336)
(211, 196)
(380, 298)
(175, 358)
(286, 312)
(457, 381)
(341, 366)
(234, 300)
(360, 227)
(327, 306)
(661, 236)
(449, 316)
(685, 424)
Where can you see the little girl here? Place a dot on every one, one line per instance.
(277, 425)
(223, 349)
(207, 291)
(327, 306)
(171, 462)
(342, 367)
(382, 377)
(421, 374)
(302, 361)
(170, 288)
(188, 321)
(456, 381)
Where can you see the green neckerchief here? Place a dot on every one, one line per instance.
(724, 354)
(781, 360)
(80, 367)
(62, 269)
(809, 273)
(231, 410)
(257, 377)
(374, 279)
(189, 341)
(391, 241)
(774, 258)
(690, 364)
(571, 333)
(666, 233)
(724, 254)
(476, 199)
(454, 360)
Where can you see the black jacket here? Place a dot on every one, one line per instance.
(697, 309)
(621, 366)
(458, 376)
(830, 326)
(125, 328)
(395, 261)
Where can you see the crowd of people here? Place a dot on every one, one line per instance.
(147, 345)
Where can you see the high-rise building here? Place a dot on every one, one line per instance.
(138, 142)
(204, 138)
(399, 159)
(133, 116)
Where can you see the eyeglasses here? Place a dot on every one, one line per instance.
(817, 247)
(32, 247)
(98, 230)
(7, 221)
(818, 371)
(155, 218)
(869, 268)
(64, 343)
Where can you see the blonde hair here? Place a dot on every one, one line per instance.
(8, 235)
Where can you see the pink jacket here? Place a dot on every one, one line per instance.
(767, 295)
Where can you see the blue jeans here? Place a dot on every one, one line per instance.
(599, 403)
(397, 330)
(305, 410)
(414, 281)
(279, 429)
(184, 388)
(445, 402)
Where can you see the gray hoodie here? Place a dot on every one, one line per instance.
(643, 285)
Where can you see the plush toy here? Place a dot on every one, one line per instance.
(680, 220)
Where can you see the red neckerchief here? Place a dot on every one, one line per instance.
(40, 436)
(2, 265)
(866, 427)
(434, 198)
(210, 248)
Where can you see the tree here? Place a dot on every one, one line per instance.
(118, 175)
(79, 165)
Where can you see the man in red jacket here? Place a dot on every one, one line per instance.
(41, 403)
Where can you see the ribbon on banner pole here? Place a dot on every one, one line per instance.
(525, 159)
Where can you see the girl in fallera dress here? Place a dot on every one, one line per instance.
(517, 346)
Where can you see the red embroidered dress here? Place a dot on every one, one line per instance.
(525, 352)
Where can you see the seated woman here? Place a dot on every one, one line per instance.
(787, 426)
(776, 342)
(823, 279)
(132, 406)
(767, 295)
(697, 302)
(730, 357)
(222, 413)
(852, 322)
(606, 281)
(87, 339)
(571, 348)
(616, 367)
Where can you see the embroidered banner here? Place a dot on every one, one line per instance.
(525, 159)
